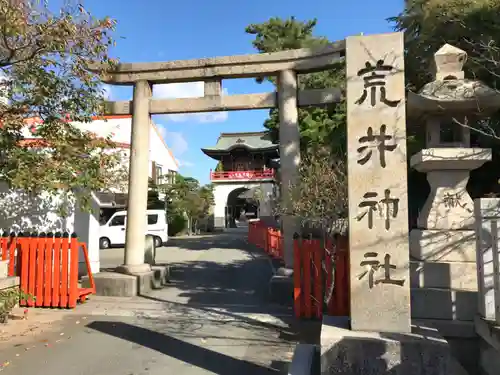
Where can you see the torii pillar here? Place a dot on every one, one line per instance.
(135, 240)
(289, 153)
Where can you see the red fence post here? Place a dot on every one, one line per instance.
(24, 241)
(339, 305)
(14, 256)
(280, 244)
(40, 269)
(87, 264)
(56, 292)
(274, 242)
(64, 271)
(329, 253)
(8, 244)
(33, 240)
(49, 265)
(4, 245)
(306, 260)
(297, 276)
(342, 276)
(272, 245)
(318, 270)
(73, 272)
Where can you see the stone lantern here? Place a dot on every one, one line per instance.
(450, 106)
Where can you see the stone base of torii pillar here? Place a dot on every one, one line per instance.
(129, 282)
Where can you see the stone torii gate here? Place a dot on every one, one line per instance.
(377, 178)
(284, 65)
(376, 144)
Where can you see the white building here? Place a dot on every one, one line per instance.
(21, 211)
(162, 162)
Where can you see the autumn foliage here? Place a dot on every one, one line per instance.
(44, 60)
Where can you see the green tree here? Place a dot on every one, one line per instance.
(44, 60)
(154, 201)
(200, 204)
(473, 26)
(188, 198)
(318, 126)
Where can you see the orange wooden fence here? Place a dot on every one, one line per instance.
(320, 277)
(266, 238)
(47, 265)
(319, 270)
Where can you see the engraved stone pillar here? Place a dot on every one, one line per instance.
(377, 172)
(138, 182)
(289, 152)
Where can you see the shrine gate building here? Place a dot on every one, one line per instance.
(244, 182)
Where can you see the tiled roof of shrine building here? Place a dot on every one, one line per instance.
(251, 141)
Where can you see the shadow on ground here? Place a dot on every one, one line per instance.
(194, 355)
(234, 285)
(227, 289)
(239, 287)
(206, 242)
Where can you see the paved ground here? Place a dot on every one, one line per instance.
(214, 319)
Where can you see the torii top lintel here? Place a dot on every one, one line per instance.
(239, 66)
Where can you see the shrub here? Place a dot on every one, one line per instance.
(176, 224)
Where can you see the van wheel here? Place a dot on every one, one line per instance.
(158, 242)
(104, 243)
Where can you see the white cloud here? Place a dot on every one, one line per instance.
(175, 140)
(177, 144)
(188, 90)
(184, 163)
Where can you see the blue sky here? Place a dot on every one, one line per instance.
(160, 30)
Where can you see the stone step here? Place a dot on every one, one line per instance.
(4, 268)
(449, 328)
(445, 275)
(447, 304)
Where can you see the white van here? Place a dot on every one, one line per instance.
(113, 231)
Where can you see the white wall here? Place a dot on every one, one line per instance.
(87, 228)
(120, 131)
(159, 152)
(21, 212)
